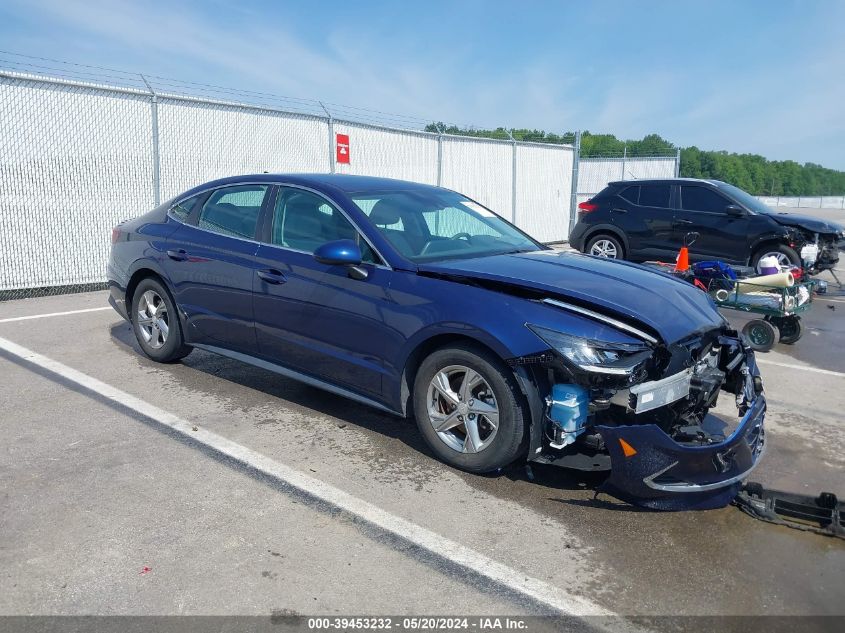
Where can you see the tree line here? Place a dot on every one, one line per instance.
(751, 172)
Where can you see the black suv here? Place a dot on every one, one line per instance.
(649, 219)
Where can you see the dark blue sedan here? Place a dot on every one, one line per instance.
(421, 302)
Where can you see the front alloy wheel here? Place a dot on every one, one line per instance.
(469, 408)
(462, 409)
(785, 256)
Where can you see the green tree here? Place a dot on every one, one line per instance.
(751, 172)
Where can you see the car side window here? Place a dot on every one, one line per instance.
(631, 194)
(182, 209)
(655, 196)
(233, 210)
(305, 221)
(695, 198)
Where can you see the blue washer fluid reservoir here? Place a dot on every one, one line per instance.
(567, 411)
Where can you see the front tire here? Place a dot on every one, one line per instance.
(784, 255)
(469, 409)
(156, 322)
(605, 245)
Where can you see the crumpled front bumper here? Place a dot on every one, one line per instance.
(650, 469)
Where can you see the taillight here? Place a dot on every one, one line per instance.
(115, 235)
(586, 207)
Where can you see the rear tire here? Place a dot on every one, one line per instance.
(155, 321)
(473, 400)
(605, 245)
(785, 255)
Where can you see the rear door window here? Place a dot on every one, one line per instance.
(182, 209)
(631, 194)
(694, 198)
(233, 210)
(655, 195)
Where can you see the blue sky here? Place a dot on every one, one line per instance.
(749, 76)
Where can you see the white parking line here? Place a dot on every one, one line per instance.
(816, 370)
(469, 559)
(53, 314)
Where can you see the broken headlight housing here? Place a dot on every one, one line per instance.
(601, 357)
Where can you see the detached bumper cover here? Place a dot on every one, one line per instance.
(650, 469)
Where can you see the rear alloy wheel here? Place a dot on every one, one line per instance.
(605, 246)
(468, 409)
(156, 322)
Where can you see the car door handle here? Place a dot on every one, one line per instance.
(179, 256)
(272, 276)
(683, 222)
(619, 210)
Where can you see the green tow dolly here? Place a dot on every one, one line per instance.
(781, 322)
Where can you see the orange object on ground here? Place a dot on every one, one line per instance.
(683, 260)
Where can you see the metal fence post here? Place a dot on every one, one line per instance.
(573, 201)
(439, 159)
(678, 163)
(155, 147)
(332, 156)
(624, 161)
(513, 178)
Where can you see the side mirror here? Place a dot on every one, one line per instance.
(734, 210)
(342, 253)
(339, 253)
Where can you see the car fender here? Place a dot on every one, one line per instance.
(457, 329)
(147, 263)
(769, 237)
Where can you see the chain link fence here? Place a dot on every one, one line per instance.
(78, 155)
(596, 171)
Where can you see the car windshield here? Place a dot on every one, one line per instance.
(428, 225)
(745, 199)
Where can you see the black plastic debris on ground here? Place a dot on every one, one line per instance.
(822, 514)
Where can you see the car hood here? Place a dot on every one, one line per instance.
(814, 225)
(672, 308)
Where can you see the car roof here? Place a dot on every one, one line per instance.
(651, 181)
(346, 183)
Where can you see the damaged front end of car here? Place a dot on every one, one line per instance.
(641, 411)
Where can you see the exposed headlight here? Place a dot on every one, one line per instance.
(601, 357)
